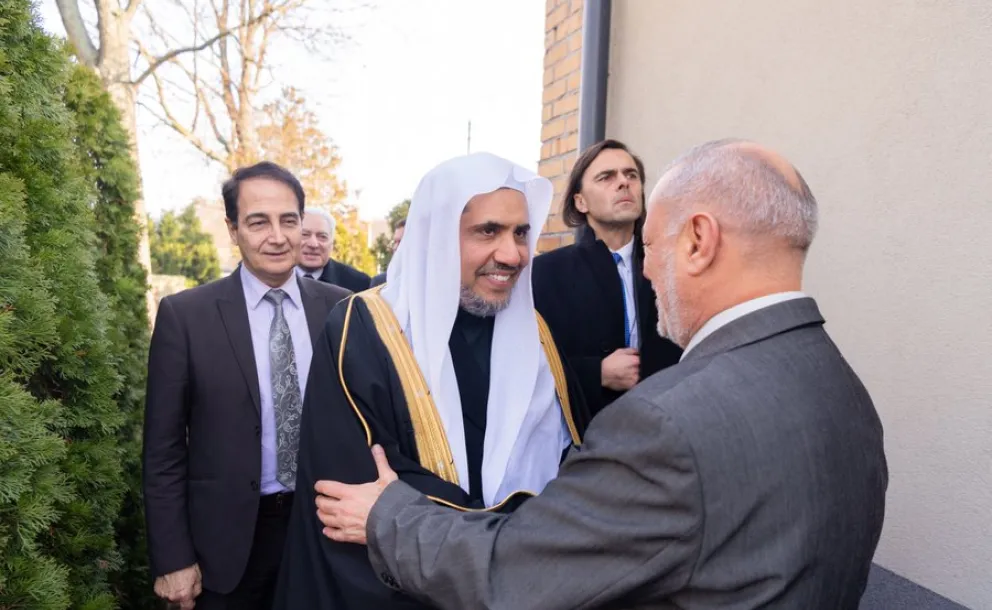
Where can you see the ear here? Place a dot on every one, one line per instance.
(703, 242)
(232, 231)
(580, 204)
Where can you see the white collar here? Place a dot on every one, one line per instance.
(626, 251)
(739, 311)
(300, 271)
(255, 290)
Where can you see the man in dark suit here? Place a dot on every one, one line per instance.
(593, 293)
(750, 475)
(227, 370)
(398, 231)
(315, 254)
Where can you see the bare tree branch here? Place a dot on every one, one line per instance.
(200, 87)
(247, 40)
(75, 29)
(262, 49)
(132, 8)
(164, 37)
(227, 82)
(169, 119)
(104, 25)
(156, 62)
(192, 14)
(221, 51)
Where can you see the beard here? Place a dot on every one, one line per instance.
(670, 323)
(479, 306)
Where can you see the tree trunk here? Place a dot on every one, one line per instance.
(114, 69)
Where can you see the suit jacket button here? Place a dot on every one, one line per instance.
(254, 485)
(258, 430)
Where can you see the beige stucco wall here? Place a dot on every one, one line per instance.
(886, 108)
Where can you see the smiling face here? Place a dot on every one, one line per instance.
(612, 192)
(268, 229)
(494, 250)
(317, 241)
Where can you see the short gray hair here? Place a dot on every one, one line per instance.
(745, 188)
(325, 215)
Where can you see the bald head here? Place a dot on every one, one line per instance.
(745, 186)
(729, 221)
(773, 160)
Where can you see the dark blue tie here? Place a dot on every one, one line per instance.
(623, 291)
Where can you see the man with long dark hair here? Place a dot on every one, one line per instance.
(593, 293)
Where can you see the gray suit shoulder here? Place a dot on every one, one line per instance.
(801, 366)
(788, 450)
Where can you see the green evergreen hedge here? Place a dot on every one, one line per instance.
(73, 334)
(105, 159)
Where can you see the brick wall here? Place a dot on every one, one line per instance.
(560, 116)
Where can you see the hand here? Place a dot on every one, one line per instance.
(180, 587)
(621, 369)
(344, 509)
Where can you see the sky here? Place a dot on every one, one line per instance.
(396, 97)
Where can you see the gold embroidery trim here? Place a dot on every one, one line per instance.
(558, 372)
(432, 442)
(491, 509)
(344, 386)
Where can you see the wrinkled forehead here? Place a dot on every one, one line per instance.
(610, 161)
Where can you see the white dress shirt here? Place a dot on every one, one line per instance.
(626, 270)
(739, 311)
(260, 314)
(300, 271)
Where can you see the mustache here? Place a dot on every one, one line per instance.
(498, 268)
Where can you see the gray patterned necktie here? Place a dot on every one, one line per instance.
(286, 399)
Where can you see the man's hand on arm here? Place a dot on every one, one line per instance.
(180, 587)
(344, 509)
(621, 369)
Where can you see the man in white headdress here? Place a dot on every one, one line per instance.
(447, 367)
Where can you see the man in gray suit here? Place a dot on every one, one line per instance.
(749, 475)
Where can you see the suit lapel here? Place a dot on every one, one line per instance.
(641, 287)
(234, 314)
(604, 273)
(313, 307)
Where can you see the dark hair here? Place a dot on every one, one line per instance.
(266, 169)
(572, 216)
(400, 224)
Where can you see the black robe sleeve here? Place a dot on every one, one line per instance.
(318, 573)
